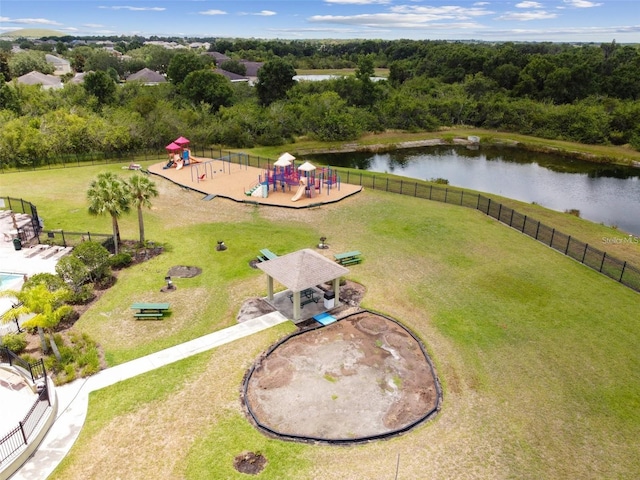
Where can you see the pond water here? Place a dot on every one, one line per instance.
(606, 194)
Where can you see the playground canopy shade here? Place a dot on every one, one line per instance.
(173, 147)
(181, 141)
(286, 158)
(306, 167)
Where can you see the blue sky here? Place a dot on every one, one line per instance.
(519, 20)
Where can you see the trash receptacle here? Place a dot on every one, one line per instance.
(17, 244)
(329, 299)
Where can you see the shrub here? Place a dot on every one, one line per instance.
(16, 342)
(121, 260)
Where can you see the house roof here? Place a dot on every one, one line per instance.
(56, 60)
(146, 75)
(37, 78)
(79, 77)
(252, 67)
(302, 269)
(234, 77)
(220, 57)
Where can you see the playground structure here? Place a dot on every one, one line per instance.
(308, 179)
(231, 175)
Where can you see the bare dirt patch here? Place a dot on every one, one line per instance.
(250, 463)
(362, 377)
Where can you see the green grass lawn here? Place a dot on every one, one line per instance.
(536, 353)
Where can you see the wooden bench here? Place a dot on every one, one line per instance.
(266, 254)
(348, 258)
(150, 310)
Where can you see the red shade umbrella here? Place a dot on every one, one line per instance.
(181, 141)
(172, 147)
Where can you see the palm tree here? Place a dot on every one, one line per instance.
(141, 190)
(109, 194)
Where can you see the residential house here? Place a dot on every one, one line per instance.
(46, 82)
(61, 66)
(147, 76)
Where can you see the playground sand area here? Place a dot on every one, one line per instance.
(360, 378)
(231, 181)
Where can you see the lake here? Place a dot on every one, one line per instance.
(607, 194)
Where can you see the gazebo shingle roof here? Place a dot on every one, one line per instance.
(302, 269)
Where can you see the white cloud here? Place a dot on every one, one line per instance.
(527, 16)
(93, 25)
(480, 4)
(528, 5)
(133, 9)
(263, 13)
(359, 2)
(581, 3)
(213, 12)
(30, 21)
(444, 12)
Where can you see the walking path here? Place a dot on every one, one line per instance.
(73, 398)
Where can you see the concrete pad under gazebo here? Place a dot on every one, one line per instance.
(302, 270)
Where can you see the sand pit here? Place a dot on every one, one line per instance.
(361, 378)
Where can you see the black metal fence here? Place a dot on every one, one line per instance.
(29, 230)
(64, 238)
(36, 369)
(617, 269)
(19, 436)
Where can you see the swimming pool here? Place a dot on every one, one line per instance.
(10, 281)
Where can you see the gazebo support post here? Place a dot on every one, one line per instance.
(270, 288)
(336, 290)
(296, 306)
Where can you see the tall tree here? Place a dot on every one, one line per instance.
(208, 87)
(275, 78)
(142, 190)
(101, 85)
(108, 194)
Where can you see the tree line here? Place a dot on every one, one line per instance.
(583, 93)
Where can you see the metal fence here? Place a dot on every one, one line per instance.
(19, 436)
(64, 238)
(29, 230)
(617, 269)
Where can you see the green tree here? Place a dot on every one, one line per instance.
(108, 194)
(275, 78)
(25, 62)
(208, 87)
(234, 66)
(100, 85)
(49, 308)
(142, 190)
(182, 64)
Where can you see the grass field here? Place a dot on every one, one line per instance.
(536, 353)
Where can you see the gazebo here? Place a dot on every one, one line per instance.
(301, 270)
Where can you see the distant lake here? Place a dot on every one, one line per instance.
(606, 194)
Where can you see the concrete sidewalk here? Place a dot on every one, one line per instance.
(73, 398)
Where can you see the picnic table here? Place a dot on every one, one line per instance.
(348, 258)
(307, 295)
(150, 310)
(266, 254)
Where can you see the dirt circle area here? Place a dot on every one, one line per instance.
(250, 463)
(183, 271)
(361, 378)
